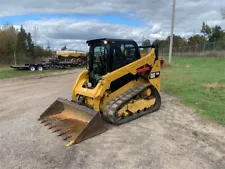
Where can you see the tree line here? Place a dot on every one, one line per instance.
(208, 34)
(19, 44)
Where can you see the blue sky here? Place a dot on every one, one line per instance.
(72, 22)
(113, 18)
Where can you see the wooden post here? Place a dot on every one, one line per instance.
(15, 58)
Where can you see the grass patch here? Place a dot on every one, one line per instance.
(7, 72)
(199, 83)
(195, 133)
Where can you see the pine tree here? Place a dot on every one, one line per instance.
(30, 45)
(22, 46)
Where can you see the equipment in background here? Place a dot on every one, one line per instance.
(76, 57)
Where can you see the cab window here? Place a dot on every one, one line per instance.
(123, 54)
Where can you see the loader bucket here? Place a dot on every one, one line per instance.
(72, 121)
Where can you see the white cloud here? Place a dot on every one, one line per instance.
(74, 33)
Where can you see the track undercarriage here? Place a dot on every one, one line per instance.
(134, 103)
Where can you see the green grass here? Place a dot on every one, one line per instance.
(7, 72)
(199, 83)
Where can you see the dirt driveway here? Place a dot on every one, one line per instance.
(172, 138)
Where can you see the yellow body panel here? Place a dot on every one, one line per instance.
(156, 82)
(98, 97)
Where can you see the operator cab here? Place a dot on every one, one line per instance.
(107, 55)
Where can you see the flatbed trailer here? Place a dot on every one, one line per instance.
(54, 64)
(31, 67)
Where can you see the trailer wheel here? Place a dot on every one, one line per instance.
(32, 68)
(40, 68)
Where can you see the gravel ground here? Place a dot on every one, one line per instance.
(171, 138)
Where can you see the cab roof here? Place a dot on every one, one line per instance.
(110, 40)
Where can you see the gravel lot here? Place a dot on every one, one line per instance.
(172, 138)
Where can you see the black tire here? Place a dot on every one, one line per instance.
(40, 68)
(32, 68)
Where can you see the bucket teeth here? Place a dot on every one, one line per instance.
(56, 130)
(51, 126)
(61, 133)
(47, 123)
(43, 121)
(66, 137)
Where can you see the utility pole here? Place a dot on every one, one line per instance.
(172, 29)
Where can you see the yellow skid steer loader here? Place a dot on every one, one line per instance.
(119, 85)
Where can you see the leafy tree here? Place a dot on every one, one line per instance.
(39, 51)
(177, 41)
(213, 34)
(146, 43)
(217, 34)
(64, 48)
(47, 53)
(196, 40)
(161, 43)
(8, 38)
(156, 42)
(206, 30)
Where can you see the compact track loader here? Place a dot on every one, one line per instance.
(118, 86)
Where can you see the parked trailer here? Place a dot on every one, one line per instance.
(53, 64)
(31, 67)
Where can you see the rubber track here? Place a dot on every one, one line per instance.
(113, 106)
